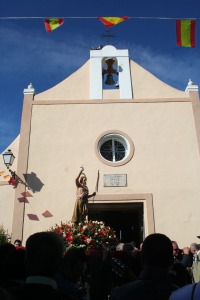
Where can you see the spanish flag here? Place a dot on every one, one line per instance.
(51, 24)
(185, 33)
(111, 21)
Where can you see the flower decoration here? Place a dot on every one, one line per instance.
(12, 181)
(91, 235)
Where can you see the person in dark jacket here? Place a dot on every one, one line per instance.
(153, 282)
(43, 258)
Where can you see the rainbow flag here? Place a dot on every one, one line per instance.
(185, 33)
(111, 21)
(51, 24)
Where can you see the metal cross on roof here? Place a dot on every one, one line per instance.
(108, 36)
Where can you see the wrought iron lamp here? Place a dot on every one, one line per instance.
(8, 158)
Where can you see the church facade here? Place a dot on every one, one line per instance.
(137, 138)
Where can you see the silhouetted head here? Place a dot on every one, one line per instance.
(74, 264)
(7, 260)
(44, 253)
(175, 249)
(194, 248)
(17, 243)
(120, 247)
(157, 251)
(128, 248)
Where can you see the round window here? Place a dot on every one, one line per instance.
(115, 148)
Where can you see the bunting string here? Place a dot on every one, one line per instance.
(185, 28)
(147, 18)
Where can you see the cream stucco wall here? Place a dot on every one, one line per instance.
(165, 163)
(74, 86)
(6, 191)
(144, 86)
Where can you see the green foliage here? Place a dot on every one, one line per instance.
(4, 237)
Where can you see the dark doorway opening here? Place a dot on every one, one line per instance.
(125, 218)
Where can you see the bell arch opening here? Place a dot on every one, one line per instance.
(110, 74)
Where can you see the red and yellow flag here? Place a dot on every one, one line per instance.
(185, 33)
(6, 177)
(111, 21)
(51, 24)
(1, 172)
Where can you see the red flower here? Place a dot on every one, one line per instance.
(12, 181)
(69, 240)
(103, 233)
(84, 238)
(90, 235)
(59, 231)
(68, 234)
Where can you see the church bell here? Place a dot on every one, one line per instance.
(109, 80)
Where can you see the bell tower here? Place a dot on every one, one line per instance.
(110, 69)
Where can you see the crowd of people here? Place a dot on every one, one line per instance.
(44, 268)
(158, 269)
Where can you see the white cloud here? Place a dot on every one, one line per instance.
(172, 69)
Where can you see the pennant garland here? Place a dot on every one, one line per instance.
(51, 24)
(111, 21)
(33, 217)
(185, 28)
(26, 194)
(47, 214)
(185, 33)
(23, 200)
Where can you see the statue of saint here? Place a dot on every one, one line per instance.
(82, 195)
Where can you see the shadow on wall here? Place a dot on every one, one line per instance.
(33, 182)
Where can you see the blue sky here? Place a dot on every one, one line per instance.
(29, 54)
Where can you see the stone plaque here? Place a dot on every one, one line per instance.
(115, 179)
